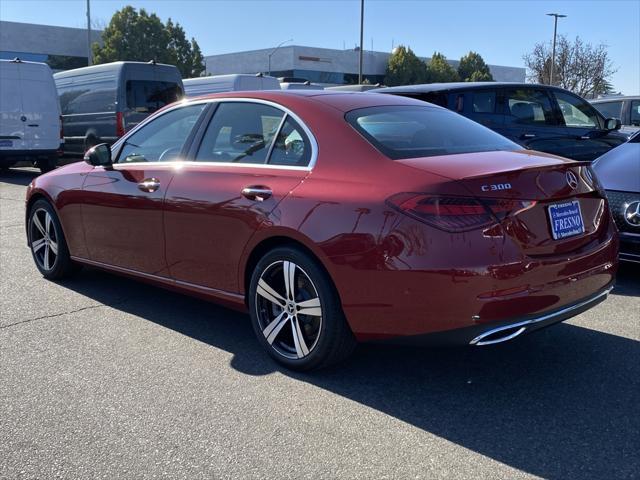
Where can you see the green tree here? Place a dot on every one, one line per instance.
(439, 70)
(473, 68)
(198, 65)
(404, 68)
(139, 36)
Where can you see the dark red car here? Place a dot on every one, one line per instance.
(335, 218)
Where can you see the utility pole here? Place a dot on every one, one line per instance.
(89, 54)
(274, 51)
(361, 41)
(553, 48)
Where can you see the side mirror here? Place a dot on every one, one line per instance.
(612, 124)
(99, 156)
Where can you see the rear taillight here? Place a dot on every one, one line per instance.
(456, 214)
(120, 131)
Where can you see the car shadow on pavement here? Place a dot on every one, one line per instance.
(560, 403)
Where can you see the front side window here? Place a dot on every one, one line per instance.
(484, 102)
(576, 112)
(409, 132)
(635, 113)
(527, 106)
(609, 109)
(240, 132)
(163, 138)
(146, 96)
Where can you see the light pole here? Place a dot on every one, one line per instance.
(553, 48)
(274, 51)
(89, 54)
(361, 41)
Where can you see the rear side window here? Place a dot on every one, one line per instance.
(484, 102)
(147, 96)
(291, 147)
(240, 132)
(526, 106)
(413, 131)
(610, 109)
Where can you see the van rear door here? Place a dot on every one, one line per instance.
(11, 126)
(147, 89)
(40, 107)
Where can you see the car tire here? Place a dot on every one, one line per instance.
(46, 164)
(309, 330)
(47, 243)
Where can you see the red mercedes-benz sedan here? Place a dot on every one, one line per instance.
(335, 218)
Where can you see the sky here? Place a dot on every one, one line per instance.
(501, 31)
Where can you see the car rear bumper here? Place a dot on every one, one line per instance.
(474, 290)
(504, 331)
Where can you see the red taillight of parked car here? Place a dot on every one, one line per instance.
(456, 214)
(120, 131)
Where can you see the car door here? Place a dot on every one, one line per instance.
(586, 137)
(122, 209)
(249, 157)
(531, 121)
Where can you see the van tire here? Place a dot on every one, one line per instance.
(47, 164)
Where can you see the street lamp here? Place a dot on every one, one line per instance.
(275, 50)
(553, 49)
(361, 40)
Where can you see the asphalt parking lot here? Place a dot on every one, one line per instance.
(104, 377)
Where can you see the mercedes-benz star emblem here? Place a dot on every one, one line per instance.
(632, 214)
(572, 180)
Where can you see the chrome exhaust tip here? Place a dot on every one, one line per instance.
(498, 335)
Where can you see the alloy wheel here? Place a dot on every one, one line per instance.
(44, 240)
(289, 309)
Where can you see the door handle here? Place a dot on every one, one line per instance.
(149, 185)
(584, 137)
(33, 125)
(528, 135)
(258, 193)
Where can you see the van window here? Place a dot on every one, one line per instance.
(576, 111)
(411, 132)
(484, 102)
(87, 97)
(240, 132)
(162, 138)
(527, 106)
(610, 109)
(149, 95)
(635, 113)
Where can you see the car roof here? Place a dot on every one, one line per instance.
(442, 87)
(343, 101)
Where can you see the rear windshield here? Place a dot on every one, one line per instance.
(415, 131)
(149, 95)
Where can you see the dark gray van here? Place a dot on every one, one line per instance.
(102, 102)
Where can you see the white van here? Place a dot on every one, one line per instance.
(30, 125)
(194, 87)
